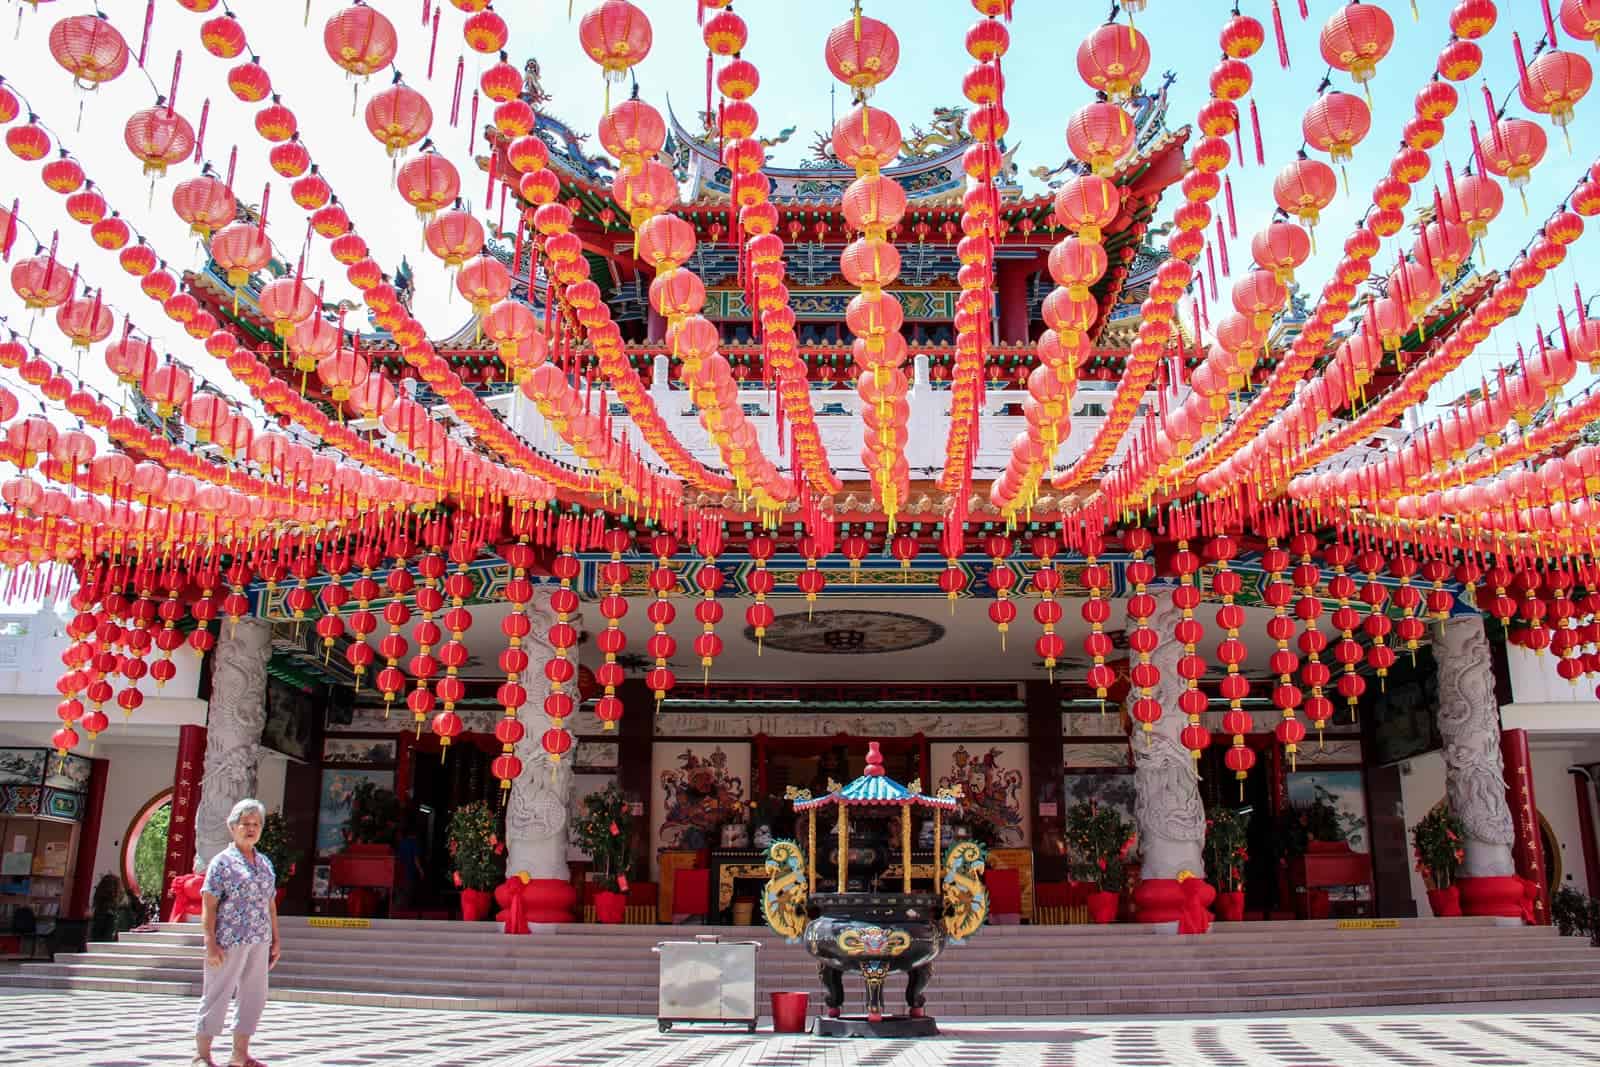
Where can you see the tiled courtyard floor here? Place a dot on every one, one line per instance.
(131, 1030)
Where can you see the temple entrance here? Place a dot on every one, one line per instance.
(432, 784)
(1254, 800)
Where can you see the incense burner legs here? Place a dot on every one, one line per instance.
(875, 935)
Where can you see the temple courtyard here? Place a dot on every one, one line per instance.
(132, 1030)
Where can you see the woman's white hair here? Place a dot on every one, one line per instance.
(244, 807)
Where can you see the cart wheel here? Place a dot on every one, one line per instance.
(663, 1026)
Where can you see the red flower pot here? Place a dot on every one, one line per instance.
(1445, 902)
(610, 907)
(1103, 907)
(1230, 907)
(476, 904)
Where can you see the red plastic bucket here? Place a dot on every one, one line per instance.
(789, 1012)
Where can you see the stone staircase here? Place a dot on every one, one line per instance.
(1005, 971)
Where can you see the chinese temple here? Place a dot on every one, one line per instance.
(1132, 542)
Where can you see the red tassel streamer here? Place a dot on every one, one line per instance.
(455, 99)
(10, 236)
(1450, 187)
(1233, 222)
(1277, 29)
(708, 93)
(1255, 128)
(172, 94)
(1305, 12)
(1549, 25)
(200, 131)
(144, 41)
(233, 159)
(1222, 250)
(1522, 61)
(433, 45)
(426, 6)
(472, 126)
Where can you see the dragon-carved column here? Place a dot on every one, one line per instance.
(1469, 725)
(1170, 818)
(234, 717)
(537, 812)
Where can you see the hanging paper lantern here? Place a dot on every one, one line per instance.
(1336, 123)
(1512, 148)
(241, 249)
(485, 31)
(861, 53)
(1100, 135)
(1303, 188)
(398, 117)
(249, 82)
(205, 203)
(222, 36)
(1356, 38)
(616, 35)
(429, 183)
(360, 39)
(41, 282)
(159, 138)
(1114, 59)
(1188, 631)
(661, 645)
(28, 142)
(89, 48)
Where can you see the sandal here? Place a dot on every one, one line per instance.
(201, 1061)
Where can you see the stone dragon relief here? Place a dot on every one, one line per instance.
(1469, 724)
(234, 720)
(541, 799)
(1170, 817)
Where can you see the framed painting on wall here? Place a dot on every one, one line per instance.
(333, 807)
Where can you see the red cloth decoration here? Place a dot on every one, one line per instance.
(691, 891)
(1005, 891)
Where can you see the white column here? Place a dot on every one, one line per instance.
(1170, 817)
(1469, 723)
(538, 808)
(234, 718)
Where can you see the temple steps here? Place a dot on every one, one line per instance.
(1006, 971)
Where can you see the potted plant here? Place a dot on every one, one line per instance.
(1317, 826)
(603, 832)
(278, 846)
(1436, 844)
(367, 862)
(1099, 840)
(479, 857)
(1225, 859)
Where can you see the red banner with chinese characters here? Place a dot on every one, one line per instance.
(186, 776)
(1527, 849)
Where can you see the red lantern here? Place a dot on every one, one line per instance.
(1336, 123)
(1512, 148)
(360, 39)
(89, 48)
(1355, 38)
(205, 203)
(1100, 134)
(241, 249)
(222, 36)
(1304, 187)
(1114, 60)
(861, 53)
(429, 183)
(249, 82)
(28, 142)
(485, 31)
(398, 117)
(158, 137)
(616, 35)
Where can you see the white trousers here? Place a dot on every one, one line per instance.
(243, 972)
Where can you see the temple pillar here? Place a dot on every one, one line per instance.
(541, 797)
(1469, 724)
(1170, 817)
(1011, 284)
(1527, 848)
(234, 717)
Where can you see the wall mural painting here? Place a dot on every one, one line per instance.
(377, 751)
(1109, 788)
(701, 791)
(333, 810)
(994, 786)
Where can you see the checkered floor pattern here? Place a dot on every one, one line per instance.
(132, 1030)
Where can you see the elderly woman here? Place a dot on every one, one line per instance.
(240, 917)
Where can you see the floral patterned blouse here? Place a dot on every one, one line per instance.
(244, 893)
